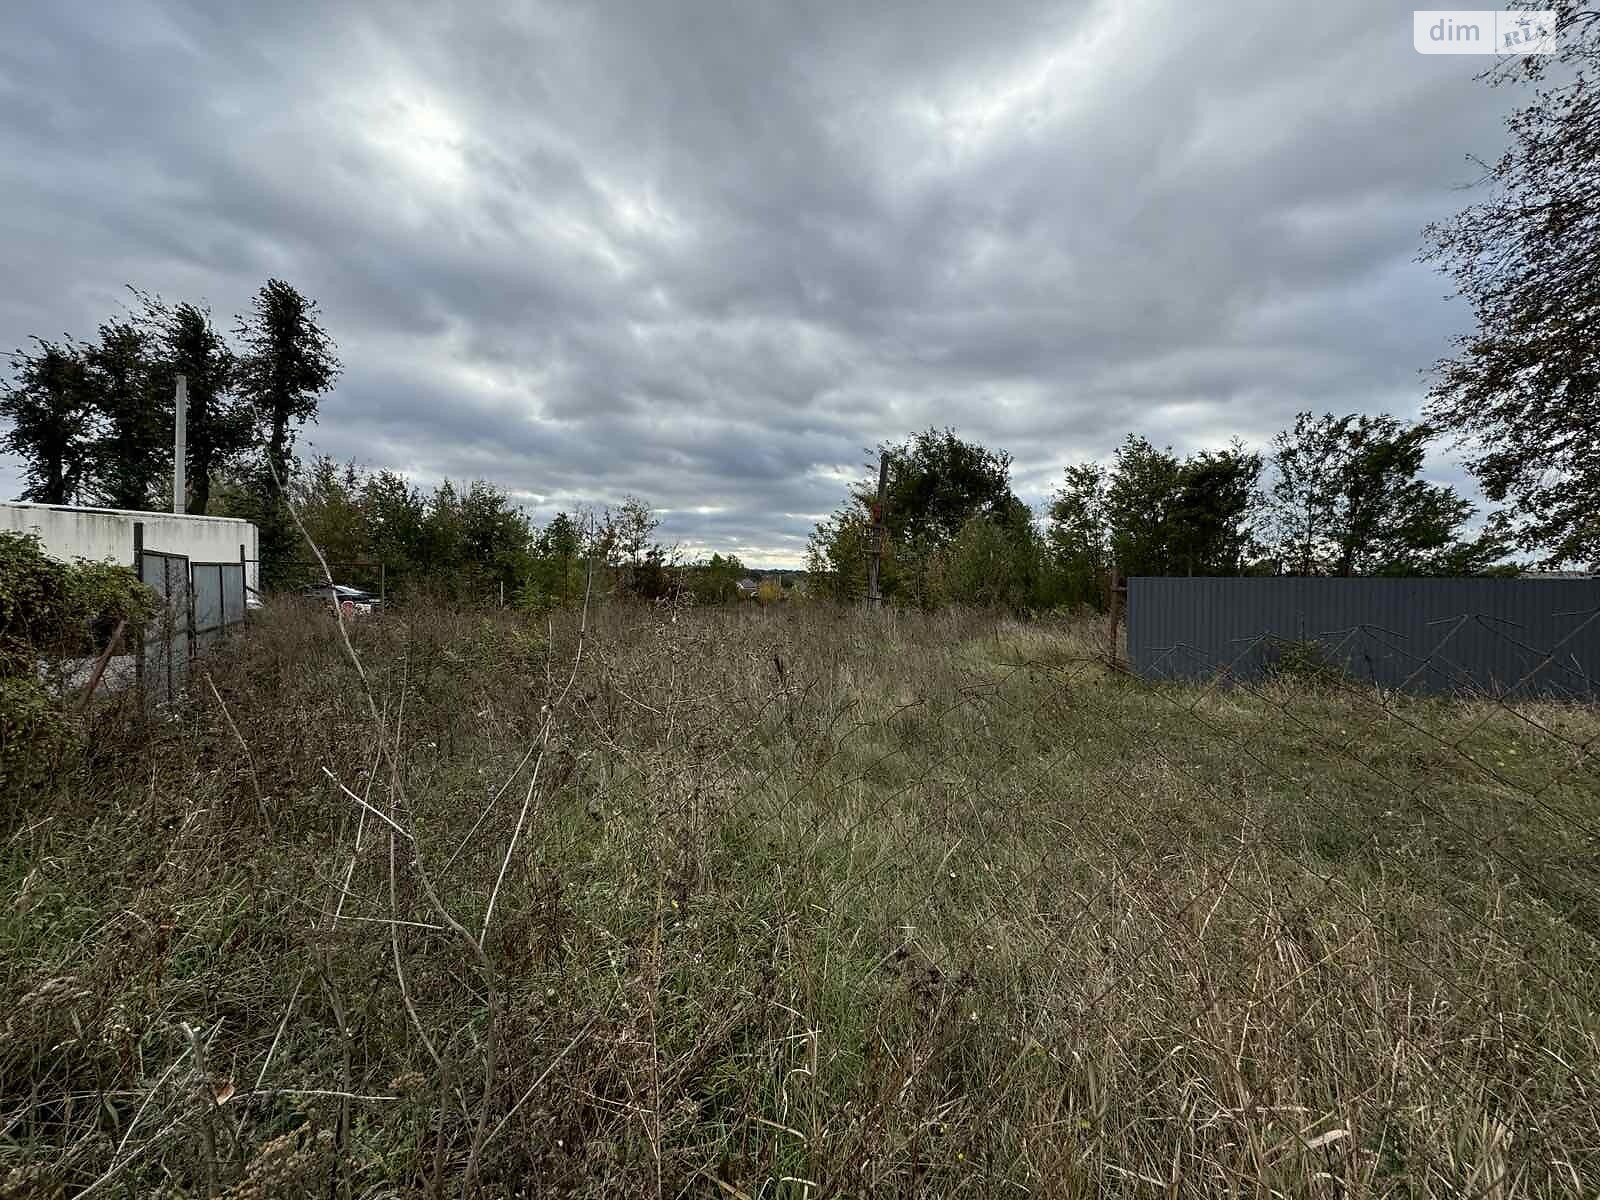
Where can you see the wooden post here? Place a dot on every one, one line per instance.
(100, 667)
(875, 563)
(1114, 619)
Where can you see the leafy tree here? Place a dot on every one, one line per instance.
(626, 535)
(331, 502)
(1141, 508)
(561, 539)
(218, 428)
(393, 513)
(618, 542)
(990, 563)
(1212, 512)
(1307, 461)
(1348, 500)
(715, 581)
(463, 543)
(1523, 389)
(287, 362)
(635, 522)
(1153, 514)
(496, 538)
(48, 407)
(1077, 534)
(936, 483)
(440, 546)
(233, 491)
(132, 453)
(653, 577)
(836, 555)
(472, 542)
(559, 563)
(1385, 517)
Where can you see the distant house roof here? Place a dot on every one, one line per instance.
(748, 585)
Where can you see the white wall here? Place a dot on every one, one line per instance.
(107, 534)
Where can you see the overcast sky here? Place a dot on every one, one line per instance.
(708, 252)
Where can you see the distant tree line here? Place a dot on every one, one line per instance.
(1334, 495)
(472, 543)
(92, 419)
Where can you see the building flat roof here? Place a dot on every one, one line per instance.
(140, 514)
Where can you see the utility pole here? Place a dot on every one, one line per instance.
(875, 563)
(180, 423)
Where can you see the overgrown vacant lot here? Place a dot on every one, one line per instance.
(796, 903)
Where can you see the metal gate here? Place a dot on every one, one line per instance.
(164, 654)
(218, 600)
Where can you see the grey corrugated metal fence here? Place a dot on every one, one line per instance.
(1498, 637)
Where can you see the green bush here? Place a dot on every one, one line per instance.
(52, 610)
(1303, 659)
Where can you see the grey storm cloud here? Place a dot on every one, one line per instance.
(708, 252)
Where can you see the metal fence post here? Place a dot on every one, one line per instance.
(138, 570)
(188, 606)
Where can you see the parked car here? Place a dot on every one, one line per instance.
(353, 602)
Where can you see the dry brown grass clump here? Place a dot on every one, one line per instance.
(796, 903)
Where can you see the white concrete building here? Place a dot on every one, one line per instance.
(106, 534)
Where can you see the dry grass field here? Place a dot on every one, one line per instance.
(795, 903)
